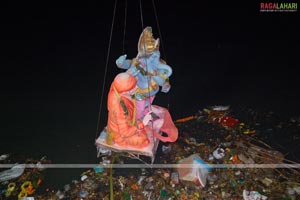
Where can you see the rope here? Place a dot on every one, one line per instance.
(141, 11)
(162, 45)
(160, 35)
(106, 66)
(124, 33)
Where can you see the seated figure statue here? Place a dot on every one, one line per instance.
(122, 126)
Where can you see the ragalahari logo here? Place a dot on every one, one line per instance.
(278, 7)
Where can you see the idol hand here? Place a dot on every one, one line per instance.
(147, 118)
(120, 61)
(166, 87)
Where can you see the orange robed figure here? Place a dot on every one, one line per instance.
(123, 128)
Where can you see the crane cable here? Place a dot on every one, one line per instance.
(162, 46)
(106, 66)
(158, 28)
(124, 33)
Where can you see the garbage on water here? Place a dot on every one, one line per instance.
(166, 149)
(4, 156)
(219, 153)
(83, 194)
(297, 189)
(229, 164)
(253, 195)
(174, 178)
(98, 169)
(220, 108)
(21, 181)
(12, 173)
(27, 198)
(84, 177)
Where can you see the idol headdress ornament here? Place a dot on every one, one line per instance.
(147, 44)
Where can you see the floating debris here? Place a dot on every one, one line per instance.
(241, 165)
(22, 180)
(3, 157)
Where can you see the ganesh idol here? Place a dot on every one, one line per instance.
(151, 71)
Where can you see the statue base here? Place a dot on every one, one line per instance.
(149, 150)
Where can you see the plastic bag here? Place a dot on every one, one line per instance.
(12, 173)
(194, 169)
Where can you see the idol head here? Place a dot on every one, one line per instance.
(147, 44)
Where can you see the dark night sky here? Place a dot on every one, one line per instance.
(217, 48)
(53, 61)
